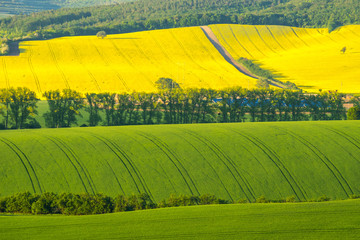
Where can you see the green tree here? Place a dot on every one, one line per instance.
(101, 34)
(22, 105)
(353, 113)
(5, 101)
(93, 108)
(64, 106)
(166, 84)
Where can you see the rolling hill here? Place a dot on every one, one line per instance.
(330, 220)
(30, 6)
(232, 161)
(310, 58)
(121, 63)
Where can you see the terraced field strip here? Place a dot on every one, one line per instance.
(232, 161)
(311, 58)
(250, 221)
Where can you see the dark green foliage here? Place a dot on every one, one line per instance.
(266, 76)
(86, 204)
(166, 84)
(262, 83)
(45, 204)
(64, 106)
(256, 69)
(20, 202)
(101, 34)
(353, 113)
(261, 199)
(18, 106)
(159, 14)
(180, 106)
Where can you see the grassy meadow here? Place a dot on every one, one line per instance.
(328, 220)
(309, 57)
(232, 161)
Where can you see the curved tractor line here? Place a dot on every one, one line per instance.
(213, 39)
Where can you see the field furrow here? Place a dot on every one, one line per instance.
(54, 58)
(113, 148)
(325, 160)
(299, 193)
(232, 161)
(249, 194)
(21, 160)
(175, 160)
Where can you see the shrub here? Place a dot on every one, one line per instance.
(206, 199)
(353, 113)
(46, 204)
(120, 203)
(353, 196)
(20, 202)
(323, 199)
(261, 199)
(2, 204)
(291, 199)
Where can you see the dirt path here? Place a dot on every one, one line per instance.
(213, 39)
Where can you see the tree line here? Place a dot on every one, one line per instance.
(87, 204)
(159, 14)
(171, 105)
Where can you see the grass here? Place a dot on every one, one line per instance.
(307, 57)
(121, 63)
(231, 161)
(330, 220)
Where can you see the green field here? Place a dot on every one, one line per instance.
(330, 220)
(232, 161)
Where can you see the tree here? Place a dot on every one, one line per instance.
(63, 107)
(5, 105)
(166, 84)
(22, 105)
(343, 50)
(93, 108)
(101, 34)
(353, 113)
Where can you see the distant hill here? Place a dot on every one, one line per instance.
(29, 6)
(157, 14)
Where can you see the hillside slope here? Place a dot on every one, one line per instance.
(330, 220)
(121, 63)
(232, 161)
(30, 6)
(310, 58)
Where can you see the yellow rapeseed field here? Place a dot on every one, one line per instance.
(311, 58)
(118, 63)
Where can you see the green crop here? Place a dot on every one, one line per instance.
(232, 161)
(330, 220)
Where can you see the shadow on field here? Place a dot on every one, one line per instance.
(124, 38)
(305, 86)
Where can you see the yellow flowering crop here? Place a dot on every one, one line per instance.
(311, 58)
(122, 62)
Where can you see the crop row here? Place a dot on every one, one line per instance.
(311, 58)
(123, 63)
(232, 161)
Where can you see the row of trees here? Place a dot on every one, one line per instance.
(86, 204)
(158, 14)
(171, 105)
